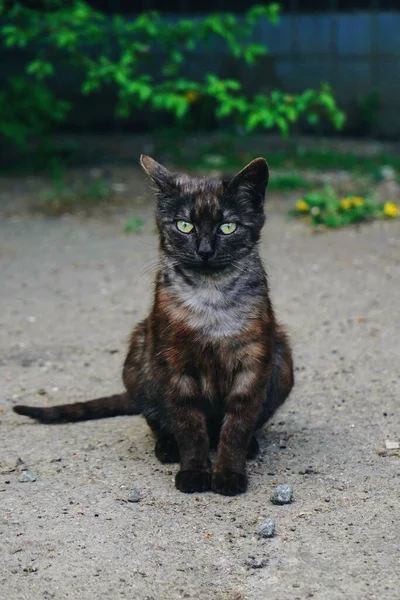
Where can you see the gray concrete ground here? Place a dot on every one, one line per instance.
(70, 292)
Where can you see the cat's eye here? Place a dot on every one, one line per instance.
(185, 226)
(227, 228)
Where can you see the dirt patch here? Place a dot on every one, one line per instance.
(70, 292)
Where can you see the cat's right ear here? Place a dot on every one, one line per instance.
(158, 174)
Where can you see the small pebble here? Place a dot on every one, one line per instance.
(134, 495)
(30, 569)
(26, 476)
(267, 528)
(256, 563)
(391, 445)
(308, 471)
(282, 494)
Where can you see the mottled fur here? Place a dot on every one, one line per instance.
(209, 365)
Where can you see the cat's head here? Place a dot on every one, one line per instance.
(208, 224)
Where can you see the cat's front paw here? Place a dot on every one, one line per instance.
(229, 483)
(193, 481)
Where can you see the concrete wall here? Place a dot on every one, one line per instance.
(356, 53)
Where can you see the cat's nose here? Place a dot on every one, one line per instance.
(205, 250)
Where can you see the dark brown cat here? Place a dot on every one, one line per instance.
(210, 364)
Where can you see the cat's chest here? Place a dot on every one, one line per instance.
(214, 313)
(208, 337)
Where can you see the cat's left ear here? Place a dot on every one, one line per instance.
(159, 174)
(253, 179)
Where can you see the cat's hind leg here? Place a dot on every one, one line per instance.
(166, 448)
(253, 449)
(281, 381)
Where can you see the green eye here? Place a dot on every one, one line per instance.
(185, 226)
(227, 228)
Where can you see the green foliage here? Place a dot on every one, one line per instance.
(368, 107)
(28, 107)
(143, 59)
(288, 181)
(326, 210)
(231, 152)
(65, 196)
(134, 225)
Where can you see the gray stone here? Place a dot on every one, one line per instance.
(134, 495)
(26, 476)
(282, 494)
(254, 562)
(267, 528)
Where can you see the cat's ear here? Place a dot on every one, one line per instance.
(159, 174)
(253, 179)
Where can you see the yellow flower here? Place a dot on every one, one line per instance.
(302, 206)
(345, 203)
(391, 209)
(357, 201)
(191, 96)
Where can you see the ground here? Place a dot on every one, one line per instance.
(71, 289)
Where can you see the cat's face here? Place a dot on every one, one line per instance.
(209, 225)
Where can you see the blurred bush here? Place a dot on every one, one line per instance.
(326, 210)
(145, 61)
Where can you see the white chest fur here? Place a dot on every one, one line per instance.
(211, 311)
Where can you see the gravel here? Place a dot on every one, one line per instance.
(267, 528)
(282, 494)
(254, 562)
(27, 477)
(87, 283)
(134, 495)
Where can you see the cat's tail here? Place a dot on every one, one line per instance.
(100, 408)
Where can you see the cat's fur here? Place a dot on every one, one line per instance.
(210, 364)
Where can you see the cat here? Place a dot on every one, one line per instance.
(210, 364)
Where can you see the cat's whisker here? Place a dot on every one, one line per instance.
(150, 268)
(145, 243)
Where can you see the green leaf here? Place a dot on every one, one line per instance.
(270, 12)
(40, 69)
(253, 51)
(134, 225)
(253, 121)
(313, 118)
(224, 110)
